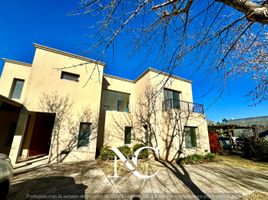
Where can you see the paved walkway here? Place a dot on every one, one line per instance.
(89, 180)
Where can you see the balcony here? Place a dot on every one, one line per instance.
(115, 101)
(182, 105)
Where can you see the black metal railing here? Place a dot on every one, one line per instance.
(182, 105)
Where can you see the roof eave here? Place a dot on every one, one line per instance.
(68, 54)
(17, 62)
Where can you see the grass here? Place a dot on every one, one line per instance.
(237, 161)
(256, 196)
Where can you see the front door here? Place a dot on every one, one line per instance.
(40, 141)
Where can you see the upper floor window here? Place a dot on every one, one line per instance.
(171, 99)
(16, 88)
(84, 134)
(120, 105)
(70, 76)
(190, 137)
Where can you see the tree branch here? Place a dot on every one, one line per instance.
(253, 11)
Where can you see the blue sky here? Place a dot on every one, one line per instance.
(47, 23)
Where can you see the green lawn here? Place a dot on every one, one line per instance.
(237, 161)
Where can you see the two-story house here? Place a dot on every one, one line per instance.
(64, 106)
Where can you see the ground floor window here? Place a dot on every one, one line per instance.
(128, 135)
(84, 134)
(146, 134)
(190, 136)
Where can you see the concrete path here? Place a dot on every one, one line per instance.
(90, 180)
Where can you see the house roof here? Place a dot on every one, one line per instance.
(16, 62)
(163, 73)
(97, 62)
(68, 54)
(145, 72)
(119, 78)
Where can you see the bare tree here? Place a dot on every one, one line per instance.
(61, 106)
(66, 126)
(226, 37)
(165, 124)
(157, 123)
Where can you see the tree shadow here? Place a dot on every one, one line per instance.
(67, 123)
(53, 187)
(185, 178)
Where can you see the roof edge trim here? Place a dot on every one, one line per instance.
(68, 54)
(16, 62)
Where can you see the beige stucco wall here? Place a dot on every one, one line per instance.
(43, 86)
(81, 102)
(28, 135)
(115, 122)
(10, 71)
(82, 96)
(45, 77)
(120, 85)
(159, 81)
(19, 134)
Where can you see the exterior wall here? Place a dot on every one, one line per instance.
(158, 80)
(19, 134)
(178, 120)
(115, 122)
(28, 135)
(75, 102)
(80, 99)
(163, 123)
(121, 85)
(10, 71)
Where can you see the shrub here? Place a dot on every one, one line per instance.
(126, 151)
(196, 158)
(144, 153)
(210, 157)
(255, 148)
(106, 153)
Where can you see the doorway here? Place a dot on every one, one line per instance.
(41, 136)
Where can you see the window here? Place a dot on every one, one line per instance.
(70, 76)
(146, 134)
(16, 88)
(190, 137)
(120, 105)
(171, 99)
(128, 135)
(84, 134)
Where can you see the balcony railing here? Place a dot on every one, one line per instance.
(182, 105)
(111, 108)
